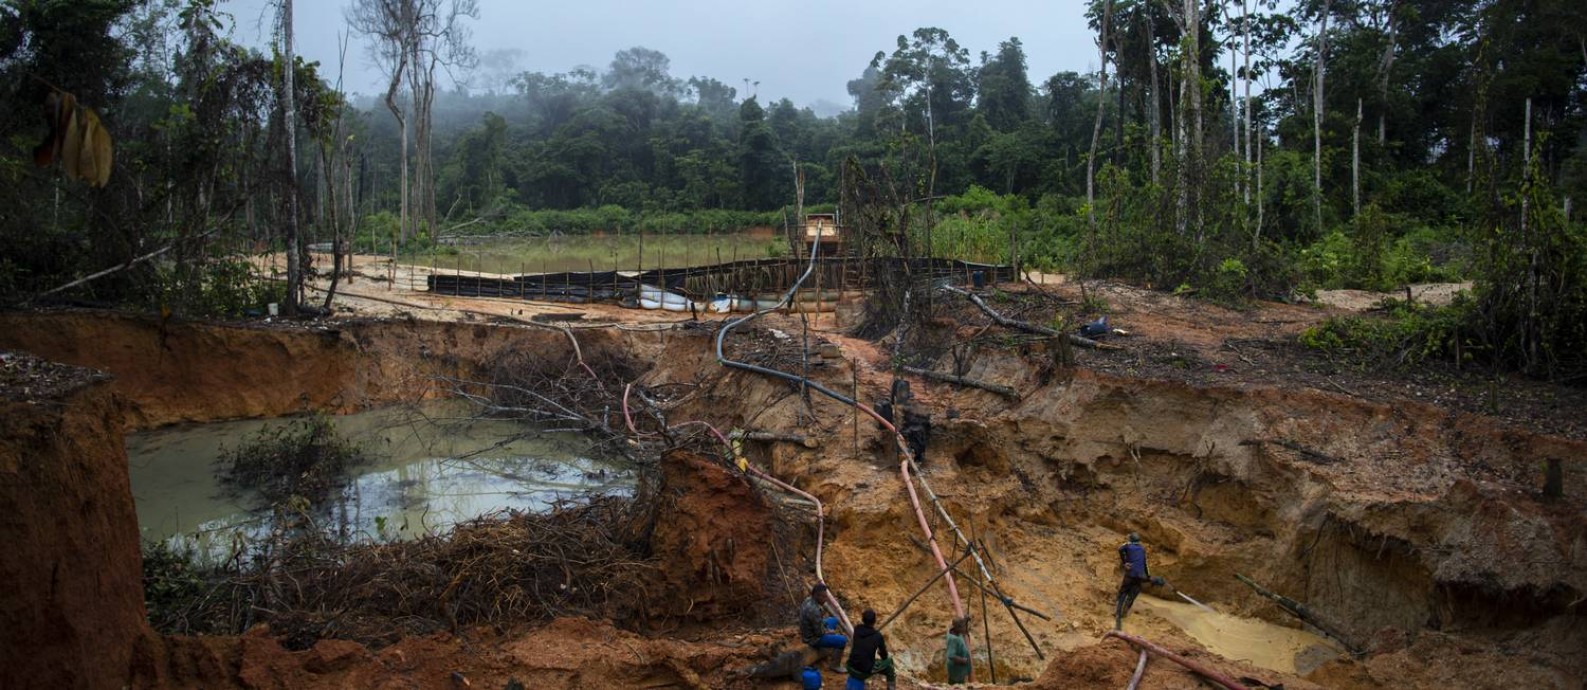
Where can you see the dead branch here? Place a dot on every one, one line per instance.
(999, 389)
(806, 441)
(119, 268)
(1025, 326)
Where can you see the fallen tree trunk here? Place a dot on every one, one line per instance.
(1025, 326)
(1197, 668)
(1002, 390)
(1300, 611)
(801, 439)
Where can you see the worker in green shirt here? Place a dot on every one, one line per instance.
(958, 652)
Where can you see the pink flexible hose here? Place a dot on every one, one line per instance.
(820, 513)
(914, 502)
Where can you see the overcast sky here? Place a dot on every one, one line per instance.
(805, 50)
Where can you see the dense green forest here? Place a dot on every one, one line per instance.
(1235, 151)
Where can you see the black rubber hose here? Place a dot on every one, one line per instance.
(721, 337)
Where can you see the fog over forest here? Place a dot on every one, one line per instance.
(1234, 150)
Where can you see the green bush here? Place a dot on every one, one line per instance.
(222, 287)
(1407, 334)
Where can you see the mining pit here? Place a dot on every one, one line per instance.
(1411, 521)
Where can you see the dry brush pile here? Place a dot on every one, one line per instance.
(586, 559)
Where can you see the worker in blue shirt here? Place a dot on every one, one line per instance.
(1132, 558)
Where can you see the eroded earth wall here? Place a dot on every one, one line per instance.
(72, 605)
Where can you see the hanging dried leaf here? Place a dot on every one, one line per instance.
(102, 154)
(76, 138)
(93, 164)
(72, 146)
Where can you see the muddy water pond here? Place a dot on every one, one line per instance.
(431, 467)
(1262, 643)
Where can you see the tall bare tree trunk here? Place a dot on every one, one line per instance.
(1245, 27)
(1260, 201)
(1096, 128)
(1355, 164)
(1318, 103)
(402, 125)
(1471, 152)
(1531, 334)
(1384, 70)
(1188, 127)
(1156, 111)
(415, 97)
(1234, 105)
(1198, 131)
(289, 121)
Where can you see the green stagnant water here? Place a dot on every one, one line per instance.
(432, 468)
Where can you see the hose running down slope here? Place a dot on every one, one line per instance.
(904, 465)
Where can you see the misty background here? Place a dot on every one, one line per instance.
(805, 51)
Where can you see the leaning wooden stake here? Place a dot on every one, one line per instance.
(923, 589)
(1300, 611)
(986, 621)
(1198, 669)
(1006, 601)
(1002, 390)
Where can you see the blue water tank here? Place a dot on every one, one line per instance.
(811, 678)
(854, 684)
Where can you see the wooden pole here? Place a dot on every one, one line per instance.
(925, 587)
(986, 621)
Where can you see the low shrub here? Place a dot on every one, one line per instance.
(304, 458)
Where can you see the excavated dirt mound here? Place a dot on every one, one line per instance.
(710, 540)
(566, 653)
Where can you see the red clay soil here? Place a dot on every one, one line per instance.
(200, 372)
(73, 602)
(710, 540)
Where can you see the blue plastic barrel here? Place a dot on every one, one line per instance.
(811, 678)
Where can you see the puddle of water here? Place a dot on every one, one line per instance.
(431, 469)
(1264, 644)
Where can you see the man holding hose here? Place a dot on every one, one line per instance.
(1132, 558)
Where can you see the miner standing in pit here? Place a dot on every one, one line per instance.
(1132, 558)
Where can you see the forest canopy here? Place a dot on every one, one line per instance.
(1235, 150)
